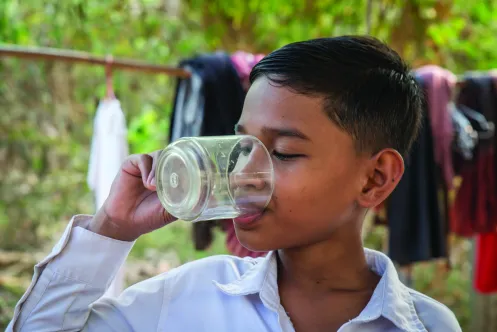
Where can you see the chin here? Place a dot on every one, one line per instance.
(255, 241)
(258, 247)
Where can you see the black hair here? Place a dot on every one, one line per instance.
(368, 89)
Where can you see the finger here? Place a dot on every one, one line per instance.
(130, 166)
(144, 164)
(167, 217)
(151, 177)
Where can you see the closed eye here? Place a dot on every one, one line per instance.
(286, 157)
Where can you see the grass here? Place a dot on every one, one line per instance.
(9, 295)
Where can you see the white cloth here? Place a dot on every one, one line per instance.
(109, 148)
(219, 293)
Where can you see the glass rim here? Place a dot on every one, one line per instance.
(271, 171)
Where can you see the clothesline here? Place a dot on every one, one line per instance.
(43, 53)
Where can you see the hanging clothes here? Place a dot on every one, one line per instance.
(417, 231)
(475, 207)
(465, 137)
(210, 104)
(211, 101)
(440, 85)
(109, 148)
(188, 112)
(493, 118)
(243, 63)
(485, 278)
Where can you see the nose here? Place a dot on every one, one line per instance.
(250, 181)
(252, 168)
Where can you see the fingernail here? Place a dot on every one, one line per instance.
(152, 182)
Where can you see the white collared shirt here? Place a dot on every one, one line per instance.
(219, 293)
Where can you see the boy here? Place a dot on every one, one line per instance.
(337, 114)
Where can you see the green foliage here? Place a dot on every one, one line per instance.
(47, 108)
(177, 238)
(147, 131)
(9, 295)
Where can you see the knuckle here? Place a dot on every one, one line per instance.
(143, 157)
(135, 159)
(129, 159)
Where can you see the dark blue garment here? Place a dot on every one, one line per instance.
(418, 231)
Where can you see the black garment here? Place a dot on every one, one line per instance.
(484, 134)
(479, 93)
(222, 92)
(216, 111)
(415, 218)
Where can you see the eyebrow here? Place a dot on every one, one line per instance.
(281, 132)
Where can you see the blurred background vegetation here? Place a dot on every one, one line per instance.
(47, 107)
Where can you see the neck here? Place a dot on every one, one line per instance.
(337, 264)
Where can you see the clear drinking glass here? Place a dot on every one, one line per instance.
(215, 177)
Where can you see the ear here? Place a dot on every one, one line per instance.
(383, 173)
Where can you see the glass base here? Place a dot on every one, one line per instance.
(183, 182)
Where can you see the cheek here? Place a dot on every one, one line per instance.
(290, 184)
(308, 190)
(296, 187)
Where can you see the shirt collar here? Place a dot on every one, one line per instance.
(254, 279)
(391, 299)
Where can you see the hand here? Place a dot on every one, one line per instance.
(132, 208)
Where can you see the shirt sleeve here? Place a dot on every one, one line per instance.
(67, 287)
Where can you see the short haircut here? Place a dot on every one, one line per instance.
(367, 88)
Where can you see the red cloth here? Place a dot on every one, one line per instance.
(486, 263)
(475, 207)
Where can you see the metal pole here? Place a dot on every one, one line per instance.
(82, 57)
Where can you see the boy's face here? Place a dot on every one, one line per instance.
(317, 185)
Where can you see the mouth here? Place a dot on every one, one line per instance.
(249, 219)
